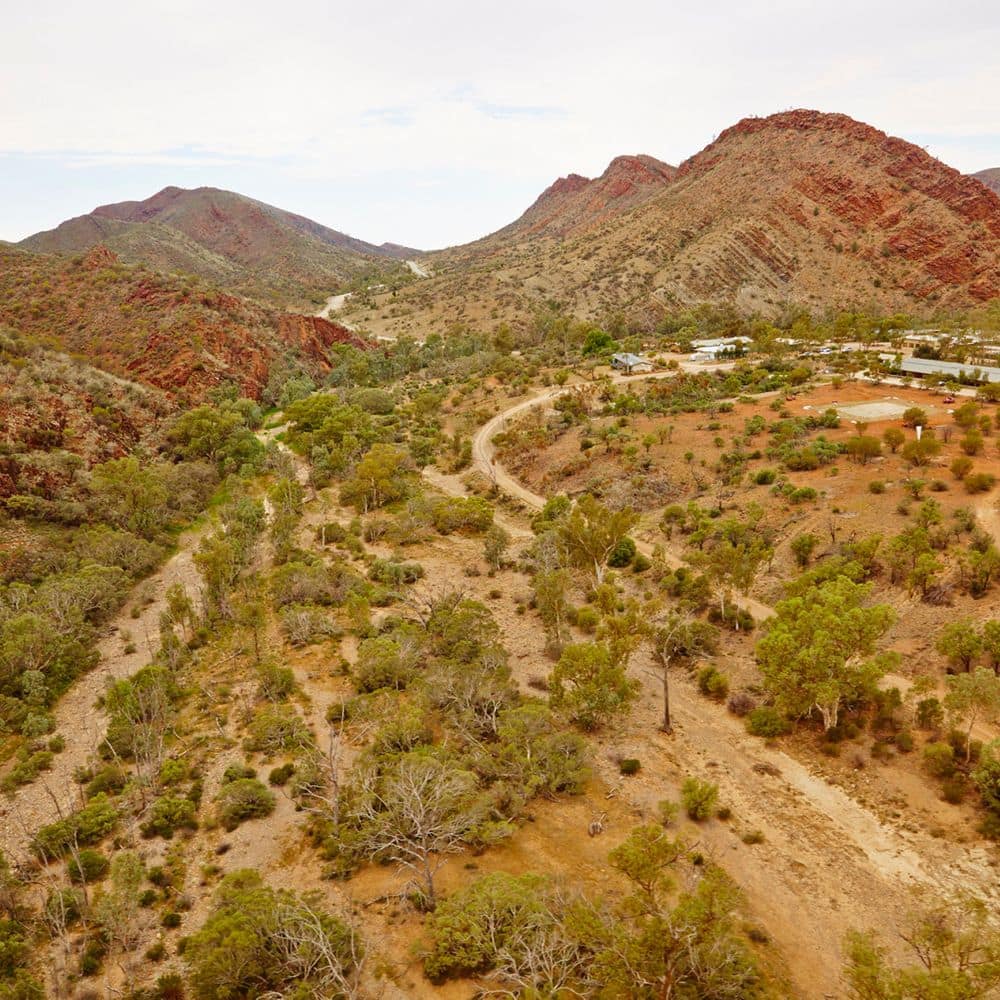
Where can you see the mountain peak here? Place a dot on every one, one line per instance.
(227, 238)
(574, 203)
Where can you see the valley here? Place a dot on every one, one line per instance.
(606, 607)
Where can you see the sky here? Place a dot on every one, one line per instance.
(435, 122)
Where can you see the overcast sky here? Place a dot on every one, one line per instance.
(433, 122)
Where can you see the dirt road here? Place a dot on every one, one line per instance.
(485, 460)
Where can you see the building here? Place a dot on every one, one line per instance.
(631, 364)
(949, 369)
(720, 347)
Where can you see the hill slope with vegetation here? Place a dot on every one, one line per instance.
(228, 239)
(803, 209)
(176, 334)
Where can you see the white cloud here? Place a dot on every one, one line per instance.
(518, 93)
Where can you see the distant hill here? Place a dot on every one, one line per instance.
(990, 177)
(174, 334)
(231, 240)
(804, 208)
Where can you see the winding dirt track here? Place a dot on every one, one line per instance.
(484, 459)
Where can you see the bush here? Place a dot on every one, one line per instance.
(629, 766)
(986, 776)
(740, 703)
(765, 477)
(767, 722)
(954, 789)
(388, 661)
(939, 760)
(699, 798)
(243, 799)
(622, 554)
(587, 618)
(87, 866)
(173, 771)
(170, 813)
(277, 728)
(395, 574)
(494, 913)
(930, 714)
(876, 486)
(85, 827)
(737, 619)
(275, 683)
(281, 775)
(234, 772)
(242, 951)
(713, 684)
(979, 482)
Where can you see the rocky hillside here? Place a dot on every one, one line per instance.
(177, 335)
(802, 207)
(574, 204)
(226, 238)
(990, 177)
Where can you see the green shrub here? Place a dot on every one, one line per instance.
(713, 684)
(986, 776)
(765, 477)
(699, 798)
(277, 728)
(85, 827)
(954, 789)
(939, 760)
(242, 951)
(388, 661)
(275, 683)
(27, 769)
(471, 927)
(630, 766)
(588, 618)
(109, 779)
(234, 772)
(87, 866)
(395, 574)
(876, 486)
(243, 799)
(930, 714)
(979, 482)
(768, 722)
(280, 775)
(170, 813)
(173, 771)
(622, 554)
(641, 563)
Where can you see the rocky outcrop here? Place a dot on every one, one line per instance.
(574, 204)
(184, 339)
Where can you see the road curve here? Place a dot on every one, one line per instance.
(485, 461)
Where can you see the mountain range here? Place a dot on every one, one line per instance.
(230, 240)
(803, 209)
